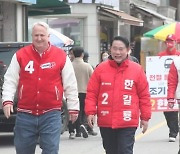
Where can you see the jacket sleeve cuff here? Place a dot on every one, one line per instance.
(7, 102)
(73, 112)
(145, 119)
(178, 101)
(171, 100)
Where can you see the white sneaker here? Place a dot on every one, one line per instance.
(72, 136)
(172, 139)
(84, 131)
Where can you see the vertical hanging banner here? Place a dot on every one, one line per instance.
(157, 69)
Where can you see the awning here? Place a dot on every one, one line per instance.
(154, 13)
(126, 18)
(48, 7)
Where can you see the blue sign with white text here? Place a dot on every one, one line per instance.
(28, 1)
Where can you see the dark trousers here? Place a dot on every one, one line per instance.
(82, 119)
(118, 141)
(82, 115)
(73, 126)
(172, 122)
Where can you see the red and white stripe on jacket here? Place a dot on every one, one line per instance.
(174, 80)
(118, 94)
(41, 80)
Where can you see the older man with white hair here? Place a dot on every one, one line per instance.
(40, 73)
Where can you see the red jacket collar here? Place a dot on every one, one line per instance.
(172, 52)
(49, 46)
(114, 64)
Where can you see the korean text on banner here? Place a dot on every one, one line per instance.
(157, 69)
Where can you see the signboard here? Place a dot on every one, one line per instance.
(157, 69)
(114, 3)
(27, 1)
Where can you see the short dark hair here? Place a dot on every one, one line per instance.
(123, 39)
(86, 56)
(78, 51)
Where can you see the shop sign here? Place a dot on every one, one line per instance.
(157, 69)
(105, 2)
(28, 1)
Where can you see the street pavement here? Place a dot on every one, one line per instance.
(154, 141)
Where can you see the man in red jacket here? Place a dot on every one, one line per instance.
(40, 73)
(170, 46)
(171, 116)
(118, 93)
(174, 84)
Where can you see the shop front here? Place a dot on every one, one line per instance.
(152, 19)
(13, 19)
(90, 25)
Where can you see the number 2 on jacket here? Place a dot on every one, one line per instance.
(29, 67)
(105, 97)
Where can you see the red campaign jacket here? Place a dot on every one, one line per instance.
(118, 94)
(173, 75)
(170, 53)
(40, 87)
(172, 82)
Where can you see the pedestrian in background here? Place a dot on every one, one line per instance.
(104, 56)
(118, 93)
(171, 116)
(83, 71)
(40, 73)
(173, 92)
(71, 55)
(74, 128)
(132, 57)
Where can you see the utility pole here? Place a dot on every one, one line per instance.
(125, 29)
(178, 10)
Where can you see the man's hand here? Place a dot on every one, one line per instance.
(8, 109)
(73, 117)
(91, 120)
(171, 103)
(144, 125)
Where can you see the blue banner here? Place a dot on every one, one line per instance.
(28, 1)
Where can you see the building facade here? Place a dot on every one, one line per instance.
(13, 20)
(154, 13)
(90, 24)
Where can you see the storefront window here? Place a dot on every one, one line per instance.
(106, 34)
(71, 27)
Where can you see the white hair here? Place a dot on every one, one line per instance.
(45, 25)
